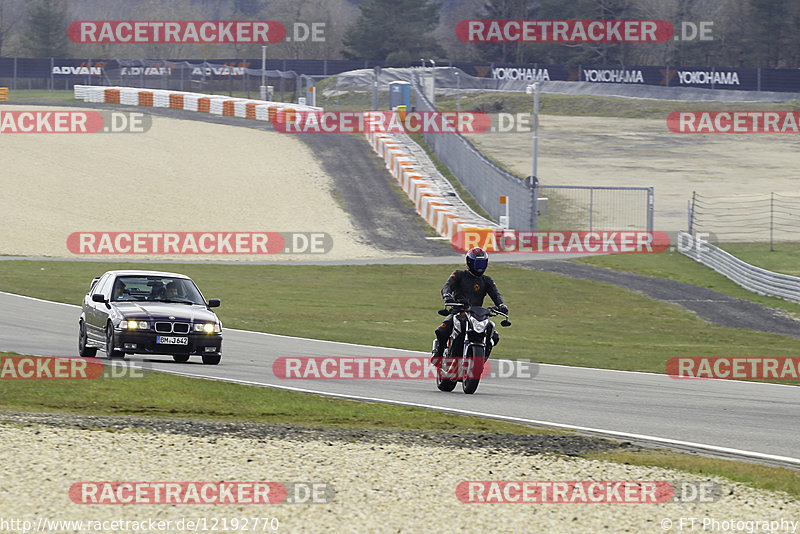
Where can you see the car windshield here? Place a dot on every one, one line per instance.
(156, 289)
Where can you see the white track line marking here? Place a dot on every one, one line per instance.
(420, 352)
(628, 435)
(656, 439)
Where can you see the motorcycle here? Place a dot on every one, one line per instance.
(465, 354)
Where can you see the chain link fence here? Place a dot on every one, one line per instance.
(484, 180)
(595, 208)
(761, 217)
(213, 76)
(205, 77)
(539, 207)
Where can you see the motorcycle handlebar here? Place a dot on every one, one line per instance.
(464, 305)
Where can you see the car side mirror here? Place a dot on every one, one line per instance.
(213, 303)
(97, 297)
(505, 322)
(443, 313)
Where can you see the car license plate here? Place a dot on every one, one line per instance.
(172, 340)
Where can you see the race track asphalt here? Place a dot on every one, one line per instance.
(727, 417)
(718, 416)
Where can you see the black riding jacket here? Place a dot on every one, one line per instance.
(463, 285)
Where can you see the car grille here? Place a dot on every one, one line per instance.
(164, 327)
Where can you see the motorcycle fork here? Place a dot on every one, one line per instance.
(460, 365)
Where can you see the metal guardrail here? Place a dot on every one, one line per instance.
(748, 276)
(482, 178)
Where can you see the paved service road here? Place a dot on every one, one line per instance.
(744, 416)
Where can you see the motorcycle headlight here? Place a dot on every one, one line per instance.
(478, 326)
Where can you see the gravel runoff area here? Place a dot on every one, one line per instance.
(605, 151)
(179, 176)
(379, 481)
(199, 172)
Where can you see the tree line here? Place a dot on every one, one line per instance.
(745, 33)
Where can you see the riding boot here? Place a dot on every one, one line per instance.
(436, 353)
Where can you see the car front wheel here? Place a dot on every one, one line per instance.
(83, 350)
(111, 352)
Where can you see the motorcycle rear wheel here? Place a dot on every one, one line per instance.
(449, 365)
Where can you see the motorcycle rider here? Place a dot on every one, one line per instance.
(470, 286)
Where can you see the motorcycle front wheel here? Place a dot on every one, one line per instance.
(476, 356)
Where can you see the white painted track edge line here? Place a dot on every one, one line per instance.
(614, 433)
(38, 299)
(420, 352)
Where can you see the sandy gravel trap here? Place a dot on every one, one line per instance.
(384, 483)
(178, 176)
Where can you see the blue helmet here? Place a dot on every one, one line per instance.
(477, 261)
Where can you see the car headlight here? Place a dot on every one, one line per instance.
(208, 328)
(133, 325)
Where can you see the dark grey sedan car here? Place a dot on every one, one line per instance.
(149, 312)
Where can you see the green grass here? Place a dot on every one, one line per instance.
(675, 266)
(351, 101)
(785, 258)
(556, 319)
(549, 104)
(40, 95)
(490, 102)
(165, 395)
(613, 328)
(594, 106)
(752, 474)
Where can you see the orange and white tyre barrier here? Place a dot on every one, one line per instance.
(434, 197)
(213, 104)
